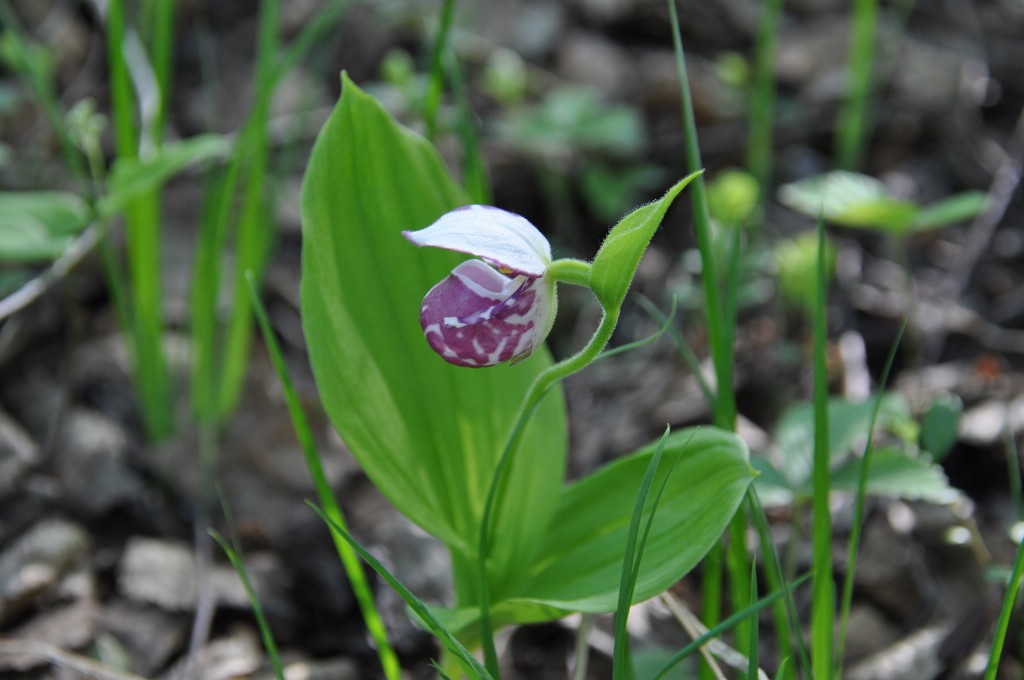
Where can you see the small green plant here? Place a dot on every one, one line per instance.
(850, 199)
(899, 468)
(484, 472)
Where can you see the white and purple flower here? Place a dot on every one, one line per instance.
(487, 314)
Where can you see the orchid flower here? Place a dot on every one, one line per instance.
(488, 311)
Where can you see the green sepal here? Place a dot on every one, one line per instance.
(617, 260)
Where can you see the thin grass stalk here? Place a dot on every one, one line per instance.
(266, 634)
(449, 641)
(314, 31)
(685, 352)
(142, 232)
(999, 640)
(721, 353)
(46, 96)
(162, 57)
(737, 561)
(787, 623)
(823, 608)
(253, 232)
(325, 495)
(234, 553)
(1013, 472)
(851, 133)
(858, 510)
(581, 650)
(762, 98)
(711, 607)
(633, 554)
(727, 625)
(435, 85)
(474, 175)
(205, 290)
(753, 652)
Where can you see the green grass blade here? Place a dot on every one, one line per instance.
(142, 227)
(737, 563)
(852, 127)
(356, 577)
(162, 56)
(435, 85)
(666, 324)
(728, 624)
(474, 175)
(823, 610)
(737, 556)
(762, 98)
(687, 354)
(787, 623)
(41, 82)
(753, 652)
(234, 554)
(253, 232)
(711, 609)
(992, 669)
(421, 610)
(318, 27)
(631, 561)
(721, 352)
(858, 510)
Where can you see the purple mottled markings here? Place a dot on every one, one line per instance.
(477, 317)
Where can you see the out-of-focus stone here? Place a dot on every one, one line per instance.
(915, 657)
(237, 655)
(148, 635)
(159, 572)
(18, 454)
(70, 626)
(91, 463)
(531, 28)
(592, 59)
(163, 573)
(37, 561)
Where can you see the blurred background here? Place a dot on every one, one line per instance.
(574, 111)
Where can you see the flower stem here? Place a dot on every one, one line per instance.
(575, 272)
(544, 381)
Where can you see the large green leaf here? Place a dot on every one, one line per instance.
(39, 225)
(579, 564)
(427, 433)
(581, 557)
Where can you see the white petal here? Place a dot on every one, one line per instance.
(503, 238)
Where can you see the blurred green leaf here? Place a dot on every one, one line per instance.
(37, 226)
(573, 118)
(797, 262)
(132, 177)
(427, 433)
(848, 425)
(895, 474)
(610, 192)
(732, 197)
(619, 256)
(958, 208)
(849, 199)
(940, 425)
